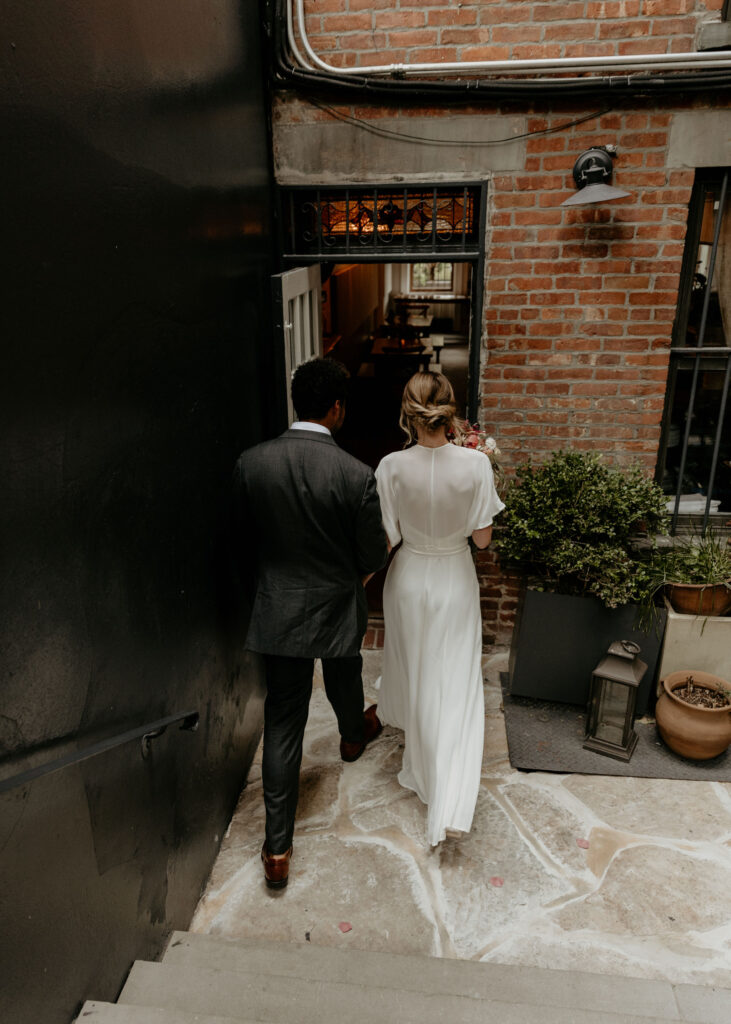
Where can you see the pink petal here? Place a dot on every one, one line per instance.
(583, 843)
(496, 881)
(345, 927)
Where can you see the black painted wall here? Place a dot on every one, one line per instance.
(135, 190)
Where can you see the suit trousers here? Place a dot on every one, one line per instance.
(289, 688)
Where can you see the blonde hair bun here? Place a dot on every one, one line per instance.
(428, 402)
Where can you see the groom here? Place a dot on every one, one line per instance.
(311, 513)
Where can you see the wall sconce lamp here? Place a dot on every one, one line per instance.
(592, 174)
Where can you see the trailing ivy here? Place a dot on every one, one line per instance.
(569, 522)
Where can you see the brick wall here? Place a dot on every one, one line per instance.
(579, 302)
(351, 33)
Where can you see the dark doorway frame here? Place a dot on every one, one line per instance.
(299, 249)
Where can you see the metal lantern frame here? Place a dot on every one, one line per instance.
(619, 673)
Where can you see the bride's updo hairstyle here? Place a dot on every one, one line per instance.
(428, 402)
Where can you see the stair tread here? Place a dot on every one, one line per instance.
(434, 975)
(95, 1012)
(279, 999)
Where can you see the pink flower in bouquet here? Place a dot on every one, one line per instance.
(473, 437)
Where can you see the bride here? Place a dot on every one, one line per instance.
(434, 495)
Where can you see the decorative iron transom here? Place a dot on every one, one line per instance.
(345, 221)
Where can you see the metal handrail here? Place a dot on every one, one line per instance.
(147, 732)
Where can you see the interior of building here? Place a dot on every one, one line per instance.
(385, 321)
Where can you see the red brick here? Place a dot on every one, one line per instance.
(516, 34)
(661, 8)
(583, 30)
(615, 9)
(414, 37)
(593, 50)
(547, 144)
(537, 52)
(349, 22)
(401, 19)
(641, 47)
(557, 12)
(504, 14)
(461, 16)
(643, 140)
(464, 36)
(479, 53)
(623, 29)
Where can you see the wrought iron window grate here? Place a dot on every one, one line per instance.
(695, 462)
(381, 221)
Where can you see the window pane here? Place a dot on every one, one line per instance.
(718, 299)
(431, 277)
(703, 428)
(612, 713)
(698, 410)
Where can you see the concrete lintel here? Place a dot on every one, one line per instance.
(714, 35)
(700, 138)
(339, 153)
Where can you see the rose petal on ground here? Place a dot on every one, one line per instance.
(496, 881)
(583, 843)
(345, 927)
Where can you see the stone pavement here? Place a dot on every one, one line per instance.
(608, 875)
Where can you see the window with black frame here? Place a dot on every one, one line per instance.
(431, 277)
(695, 456)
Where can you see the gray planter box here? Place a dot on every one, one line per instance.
(700, 642)
(559, 639)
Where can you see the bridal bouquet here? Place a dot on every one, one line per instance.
(470, 436)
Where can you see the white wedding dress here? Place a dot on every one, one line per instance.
(431, 685)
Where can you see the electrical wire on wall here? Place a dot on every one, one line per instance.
(389, 133)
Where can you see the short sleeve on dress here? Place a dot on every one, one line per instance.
(389, 507)
(485, 504)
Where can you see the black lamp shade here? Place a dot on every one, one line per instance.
(592, 173)
(595, 194)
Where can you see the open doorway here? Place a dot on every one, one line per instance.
(385, 321)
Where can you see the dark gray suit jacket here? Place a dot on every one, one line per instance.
(310, 514)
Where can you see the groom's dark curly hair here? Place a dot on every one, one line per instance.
(316, 386)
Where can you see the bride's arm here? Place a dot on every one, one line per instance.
(482, 537)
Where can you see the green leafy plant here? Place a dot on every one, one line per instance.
(700, 560)
(568, 523)
(703, 561)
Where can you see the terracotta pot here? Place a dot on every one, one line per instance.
(699, 598)
(689, 730)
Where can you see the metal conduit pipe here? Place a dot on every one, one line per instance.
(548, 65)
(299, 75)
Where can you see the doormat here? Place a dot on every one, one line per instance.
(544, 736)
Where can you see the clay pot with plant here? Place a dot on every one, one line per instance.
(693, 714)
(694, 574)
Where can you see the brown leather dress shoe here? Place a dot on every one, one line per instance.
(373, 727)
(276, 867)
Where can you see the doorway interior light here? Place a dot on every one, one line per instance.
(592, 174)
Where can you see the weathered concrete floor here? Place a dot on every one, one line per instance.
(609, 875)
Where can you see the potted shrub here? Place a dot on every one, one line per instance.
(694, 714)
(568, 526)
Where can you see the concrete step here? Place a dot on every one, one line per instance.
(281, 999)
(428, 975)
(93, 1012)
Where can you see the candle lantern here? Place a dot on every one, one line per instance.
(612, 700)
